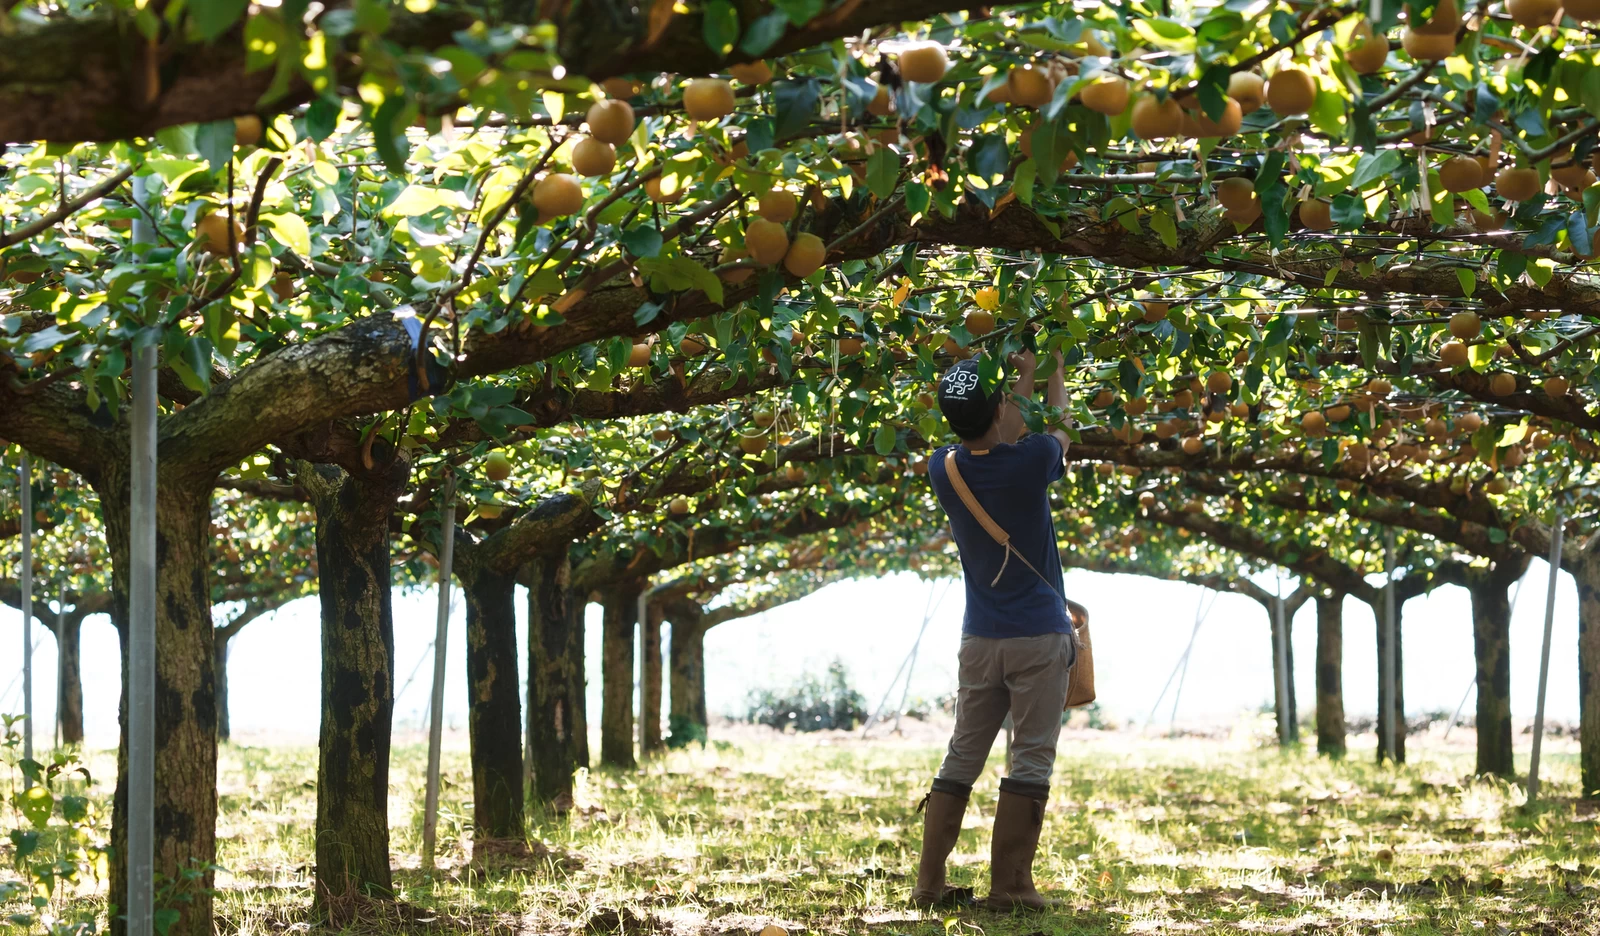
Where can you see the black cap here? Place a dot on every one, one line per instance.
(962, 400)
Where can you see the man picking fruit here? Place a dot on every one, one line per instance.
(1017, 646)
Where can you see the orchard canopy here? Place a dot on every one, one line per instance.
(658, 293)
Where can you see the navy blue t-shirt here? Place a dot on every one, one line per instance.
(1010, 483)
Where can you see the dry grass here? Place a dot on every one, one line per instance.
(816, 834)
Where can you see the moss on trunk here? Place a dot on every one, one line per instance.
(650, 682)
(1330, 675)
(621, 604)
(494, 710)
(185, 709)
(353, 559)
(1491, 650)
(555, 679)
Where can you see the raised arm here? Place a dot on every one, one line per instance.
(1011, 425)
(1056, 398)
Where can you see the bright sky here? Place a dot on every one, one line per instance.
(1141, 627)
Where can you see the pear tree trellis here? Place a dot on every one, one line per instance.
(375, 258)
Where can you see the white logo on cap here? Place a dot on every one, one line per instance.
(960, 383)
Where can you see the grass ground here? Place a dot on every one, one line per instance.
(817, 834)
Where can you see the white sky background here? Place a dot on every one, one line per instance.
(1140, 627)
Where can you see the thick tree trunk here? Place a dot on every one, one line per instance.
(555, 679)
(650, 682)
(185, 710)
(1399, 753)
(69, 672)
(1491, 647)
(1283, 698)
(494, 709)
(1330, 675)
(353, 561)
(687, 654)
(1587, 574)
(220, 665)
(621, 604)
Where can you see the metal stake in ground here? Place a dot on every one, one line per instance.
(25, 477)
(1556, 535)
(1387, 718)
(61, 661)
(142, 614)
(1280, 649)
(447, 535)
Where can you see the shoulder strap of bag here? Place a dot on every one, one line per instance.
(987, 522)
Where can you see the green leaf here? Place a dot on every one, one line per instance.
(291, 231)
(720, 26)
(1578, 233)
(1327, 113)
(1162, 224)
(1349, 211)
(1213, 91)
(643, 241)
(24, 841)
(1022, 181)
(795, 103)
(988, 157)
(36, 803)
(800, 12)
(1374, 166)
(419, 200)
(1051, 144)
(494, 192)
(215, 142)
(1165, 33)
(1512, 434)
(1443, 207)
(1367, 341)
(763, 33)
(917, 197)
(883, 440)
(1468, 281)
(1125, 212)
(163, 920)
(174, 171)
(212, 18)
(387, 137)
(883, 172)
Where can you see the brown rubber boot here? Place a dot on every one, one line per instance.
(941, 826)
(1018, 819)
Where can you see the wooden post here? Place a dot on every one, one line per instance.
(1556, 536)
(142, 612)
(1386, 720)
(430, 814)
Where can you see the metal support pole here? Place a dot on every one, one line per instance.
(141, 688)
(61, 662)
(1556, 536)
(1280, 649)
(430, 816)
(25, 479)
(1387, 719)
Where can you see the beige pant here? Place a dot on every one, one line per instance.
(1025, 677)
